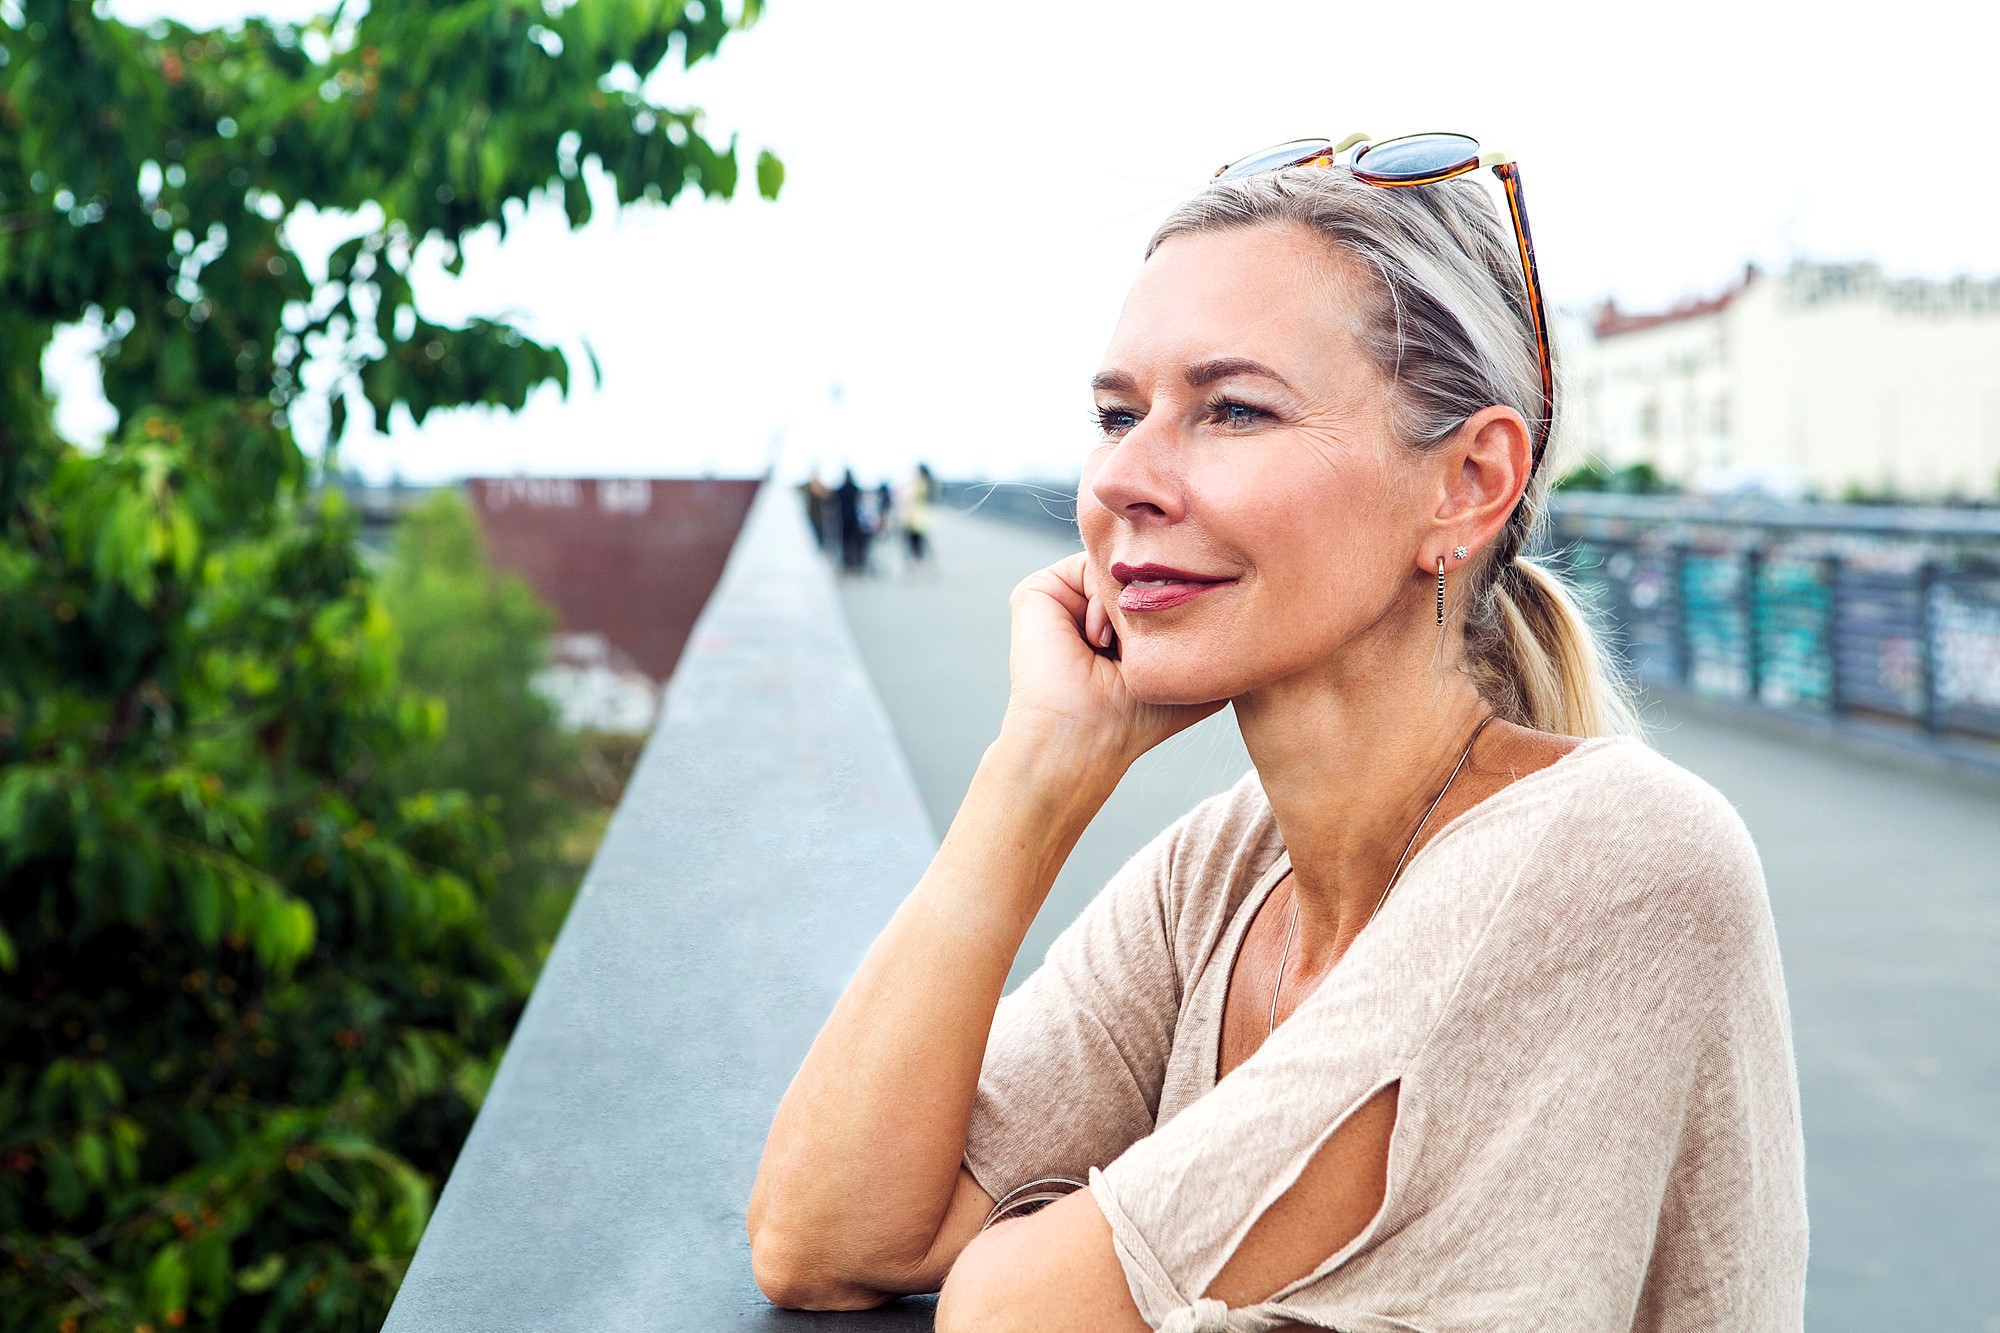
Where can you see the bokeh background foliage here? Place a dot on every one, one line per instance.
(473, 639)
(250, 985)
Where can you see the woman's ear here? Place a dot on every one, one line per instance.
(1481, 473)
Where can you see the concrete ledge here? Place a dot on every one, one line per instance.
(770, 829)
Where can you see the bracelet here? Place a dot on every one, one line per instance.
(1030, 1198)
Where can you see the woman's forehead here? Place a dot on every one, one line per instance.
(1266, 294)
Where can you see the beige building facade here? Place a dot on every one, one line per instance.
(1828, 380)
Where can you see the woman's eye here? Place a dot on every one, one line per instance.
(1115, 420)
(1229, 412)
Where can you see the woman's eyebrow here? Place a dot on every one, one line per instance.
(1203, 373)
(1199, 375)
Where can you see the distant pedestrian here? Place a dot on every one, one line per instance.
(819, 504)
(917, 497)
(885, 512)
(853, 536)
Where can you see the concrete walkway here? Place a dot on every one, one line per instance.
(1885, 884)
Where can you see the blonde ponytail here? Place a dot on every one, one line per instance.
(1538, 662)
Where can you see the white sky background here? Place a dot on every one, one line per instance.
(969, 189)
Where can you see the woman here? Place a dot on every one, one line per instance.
(1463, 1011)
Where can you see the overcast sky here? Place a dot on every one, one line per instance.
(969, 189)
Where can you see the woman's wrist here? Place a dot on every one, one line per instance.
(1036, 790)
(1059, 755)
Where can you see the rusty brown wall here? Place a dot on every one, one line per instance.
(631, 559)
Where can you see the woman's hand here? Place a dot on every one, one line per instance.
(1065, 674)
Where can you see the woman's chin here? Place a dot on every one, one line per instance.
(1154, 679)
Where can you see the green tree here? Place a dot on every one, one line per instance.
(1593, 475)
(248, 993)
(473, 639)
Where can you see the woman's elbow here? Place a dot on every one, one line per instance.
(796, 1277)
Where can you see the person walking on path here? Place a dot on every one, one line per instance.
(918, 493)
(818, 503)
(882, 517)
(853, 536)
(1463, 1010)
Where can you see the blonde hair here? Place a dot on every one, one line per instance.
(1448, 327)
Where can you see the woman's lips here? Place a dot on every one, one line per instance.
(1157, 588)
(1159, 597)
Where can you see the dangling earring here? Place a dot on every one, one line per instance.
(1440, 590)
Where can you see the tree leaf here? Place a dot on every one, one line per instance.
(167, 1280)
(262, 1275)
(770, 174)
(93, 1163)
(205, 905)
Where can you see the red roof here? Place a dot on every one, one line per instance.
(1608, 321)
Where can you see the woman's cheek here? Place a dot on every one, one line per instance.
(1094, 524)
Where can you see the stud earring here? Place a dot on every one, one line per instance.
(1440, 590)
(1458, 553)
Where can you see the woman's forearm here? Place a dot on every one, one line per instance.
(863, 1156)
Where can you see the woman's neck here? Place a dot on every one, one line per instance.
(1351, 756)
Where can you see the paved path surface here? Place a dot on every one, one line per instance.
(1885, 884)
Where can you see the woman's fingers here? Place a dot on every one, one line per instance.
(1072, 568)
(1071, 574)
(1095, 622)
(1060, 583)
(1096, 625)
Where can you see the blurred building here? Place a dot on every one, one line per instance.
(627, 563)
(1828, 380)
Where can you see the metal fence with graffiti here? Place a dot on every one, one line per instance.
(1887, 613)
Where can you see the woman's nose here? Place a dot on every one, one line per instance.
(1135, 478)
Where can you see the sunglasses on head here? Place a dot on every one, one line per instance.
(1426, 159)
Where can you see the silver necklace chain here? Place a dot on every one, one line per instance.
(1285, 954)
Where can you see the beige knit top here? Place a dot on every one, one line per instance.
(1576, 984)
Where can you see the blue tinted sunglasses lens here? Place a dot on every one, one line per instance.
(1272, 159)
(1417, 156)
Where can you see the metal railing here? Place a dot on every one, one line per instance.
(1829, 610)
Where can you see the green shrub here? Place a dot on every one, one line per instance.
(251, 998)
(1634, 479)
(473, 639)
